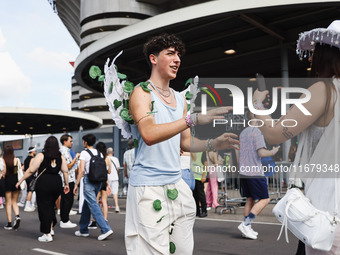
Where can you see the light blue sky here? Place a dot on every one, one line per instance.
(35, 50)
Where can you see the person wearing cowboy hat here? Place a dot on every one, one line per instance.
(322, 47)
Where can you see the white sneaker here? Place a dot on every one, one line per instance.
(117, 209)
(1, 206)
(208, 208)
(21, 204)
(68, 224)
(29, 208)
(77, 233)
(45, 238)
(73, 212)
(247, 231)
(105, 235)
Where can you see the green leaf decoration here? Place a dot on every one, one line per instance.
(116, 104)
(121, 76)
(152, 105)
(188, 96)
(111, 87)
(188, 107)
(160, 219)
(116, 68)
(128, 87)
(172, 193)
(157, 205)
(187, 83)
(124, 113)
(135, 143)
(101, 77)
(144, 86)
(172, 248)
(94, 72)
(126, 103)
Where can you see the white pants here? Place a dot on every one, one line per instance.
(148, 232)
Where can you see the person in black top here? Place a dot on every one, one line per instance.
(11, 191)
(49, 185)
(29, 207)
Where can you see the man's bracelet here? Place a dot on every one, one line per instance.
(209, 146)
(189, 121)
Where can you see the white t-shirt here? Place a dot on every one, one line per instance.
(2, 164)
(114, 174)
(84, 155)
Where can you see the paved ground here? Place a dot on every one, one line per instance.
(216, 234)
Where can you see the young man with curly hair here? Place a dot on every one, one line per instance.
(161, 210)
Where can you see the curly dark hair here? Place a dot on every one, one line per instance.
(161, 42)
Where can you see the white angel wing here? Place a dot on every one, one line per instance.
(114, 93)
(193, 89)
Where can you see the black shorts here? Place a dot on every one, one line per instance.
(256, 188)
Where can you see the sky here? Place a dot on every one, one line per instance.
(35, 51)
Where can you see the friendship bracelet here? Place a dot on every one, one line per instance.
(209, 146)
(189, 122)
(194, 118)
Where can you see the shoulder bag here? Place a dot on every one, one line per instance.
(34, 182)
(23, 185)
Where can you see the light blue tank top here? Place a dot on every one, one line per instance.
(158, 164)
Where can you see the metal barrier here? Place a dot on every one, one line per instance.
(229, 188)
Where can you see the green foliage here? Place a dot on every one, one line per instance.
(144, 86)
(172, 193)
(116, 104)
(187, 83)
(157, 205)
(188, 95)
(94, 72)
(128, 87)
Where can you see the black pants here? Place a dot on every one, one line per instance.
(66, 203)
(199, 196)
(301, 249)
(48, 189)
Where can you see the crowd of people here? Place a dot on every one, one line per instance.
(56, 173)
(161, 205)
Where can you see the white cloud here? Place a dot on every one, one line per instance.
(65, 95)
(14, 84)
(2, 39)
(53, 59)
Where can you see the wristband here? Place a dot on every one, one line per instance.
(258, 105)
(209, 146)
(189, 121)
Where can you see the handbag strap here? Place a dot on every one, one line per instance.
(40, 174)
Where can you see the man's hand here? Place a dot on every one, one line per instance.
(212, 114)
(226, 141)
(75, 189)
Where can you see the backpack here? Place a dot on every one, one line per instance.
(97, 171)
